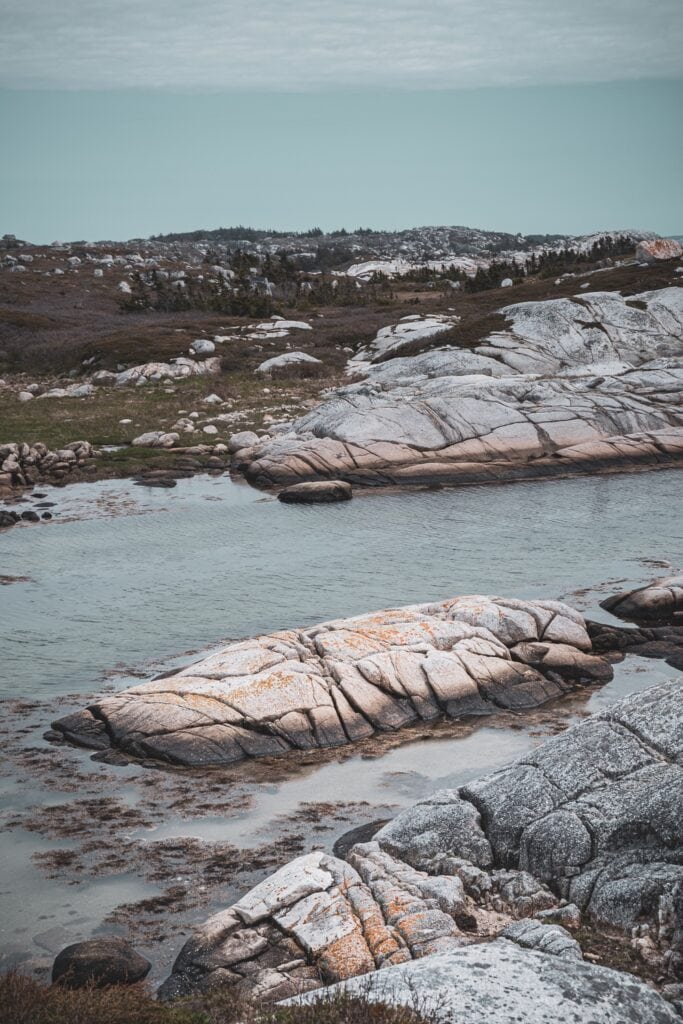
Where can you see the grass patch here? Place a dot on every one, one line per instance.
(25, 1001)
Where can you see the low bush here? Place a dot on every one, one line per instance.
(25, 1001)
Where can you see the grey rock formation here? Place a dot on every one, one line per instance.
(342, 681)
(500, 982)
(594, 815)
(572, 385)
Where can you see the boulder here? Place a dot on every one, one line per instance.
(655, 249)
(242, 439)
(316, 492)
(658, 602)
(99, 962)
(202, 347)
(596, 814)
(287, 361)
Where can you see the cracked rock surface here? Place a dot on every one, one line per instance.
(500, 982)
(572, 385)
(593, 816)
(343, 681)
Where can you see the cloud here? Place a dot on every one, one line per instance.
(313, 44)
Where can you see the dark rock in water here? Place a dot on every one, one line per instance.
(45, 504)
(30, 516)
(46, 515)
(84, 729)
(215, 463)
(658, 602)
(361, 834)
(664, 642)
(100, 962)
(317, 492)
(161, 481)
(6, 519)
(113, 757)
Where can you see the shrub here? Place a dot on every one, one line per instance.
(25, 1001)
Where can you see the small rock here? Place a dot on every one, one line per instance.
(317, 492)
(100, 962)
(242, 439)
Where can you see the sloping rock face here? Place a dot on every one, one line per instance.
(342, 681)
(320, 920)
(658, 602)
(500, 983)
(594, 816)
(570, 386)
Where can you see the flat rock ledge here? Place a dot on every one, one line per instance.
(345, 680)
(587, 829)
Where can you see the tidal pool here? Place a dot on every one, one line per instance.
(128, 579)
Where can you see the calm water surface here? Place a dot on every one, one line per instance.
(126, 578)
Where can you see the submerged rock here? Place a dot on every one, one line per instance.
(316, 492)
(341, 681)
(100, 962)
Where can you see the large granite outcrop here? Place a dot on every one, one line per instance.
(593, 816)
(501, 983)
(595, 813)
(342, 681)
(570, 386)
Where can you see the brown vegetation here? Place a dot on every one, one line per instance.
(24, 1001)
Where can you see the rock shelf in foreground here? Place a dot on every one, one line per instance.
(586, 829)
(342, 681)
(501, 983)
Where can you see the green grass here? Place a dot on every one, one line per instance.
(25, 1001)
(57, 421)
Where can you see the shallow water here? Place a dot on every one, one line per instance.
(127, 578)
(150, 574)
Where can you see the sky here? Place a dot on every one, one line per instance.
(121, 119)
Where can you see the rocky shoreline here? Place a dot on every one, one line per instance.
(583, 833)
(530, 870)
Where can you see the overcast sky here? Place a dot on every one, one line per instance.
(123, 117)
(219, 44)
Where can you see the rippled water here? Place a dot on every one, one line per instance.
(150, 574)
(126, 578)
